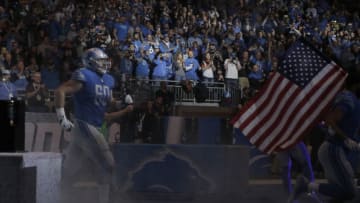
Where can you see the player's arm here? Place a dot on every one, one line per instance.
(109, 116)
(68, 87)
(331, 120)
(116, 114)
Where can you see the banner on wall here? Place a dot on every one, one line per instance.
(187, 171)
(44, 134)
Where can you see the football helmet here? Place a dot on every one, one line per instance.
(97, 60)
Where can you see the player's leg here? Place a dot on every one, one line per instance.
(285, 170)
(73, 163)
(301, 155)
(338, 171)
(96, 149)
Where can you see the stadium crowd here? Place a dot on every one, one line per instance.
(234, 43)
(42, 41)
(169, 39)
(237, 43)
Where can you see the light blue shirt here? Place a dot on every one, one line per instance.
(7, 90)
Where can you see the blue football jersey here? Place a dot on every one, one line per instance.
(350, 106)
(90, 103)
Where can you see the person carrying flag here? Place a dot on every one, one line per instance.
(343, 123)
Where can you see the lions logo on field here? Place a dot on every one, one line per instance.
(168, 173)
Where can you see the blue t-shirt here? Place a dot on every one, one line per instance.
(191, 67)
(121, 31)
(7, 90)
(138, 45)
(126, 66)
(91, 101)
(160, 70)
(145, 30)
(21, 83)
(51, 78)
(258, 75)
(142, 69)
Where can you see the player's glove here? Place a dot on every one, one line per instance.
(129, 99)
(64, 122)
(351, 144)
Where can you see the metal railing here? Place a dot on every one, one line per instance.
(143, 90)
(215, 90)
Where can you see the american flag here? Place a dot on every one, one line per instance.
(291, 100)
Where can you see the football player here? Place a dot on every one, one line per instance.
(91, 87)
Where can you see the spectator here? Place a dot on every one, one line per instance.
(244, 71)
(232, 66)
(66, 70)
(2, 55)
(259, 59)
(169, 66)
(37, 94)
(72, 34)
(149, 45)
(160, 70)
(44, 49)
(179, 67)
(256, 77)
(218, 62)
(196, 50)
(158, 106)
(16, 51)
(143, 66)
(137, 42)
(165, 45)
(149, 125)
(102, 36)
(128, 63)
(331, 28)
(208, 68)
(50, 74)
(32, 67)
(120, 29)
(147, 29)
(167, 98)
(8, 60)
(191, 67)
(18, 76)
(128, 123)
(7, 88)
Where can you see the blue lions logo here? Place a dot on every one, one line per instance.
(168, 172)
